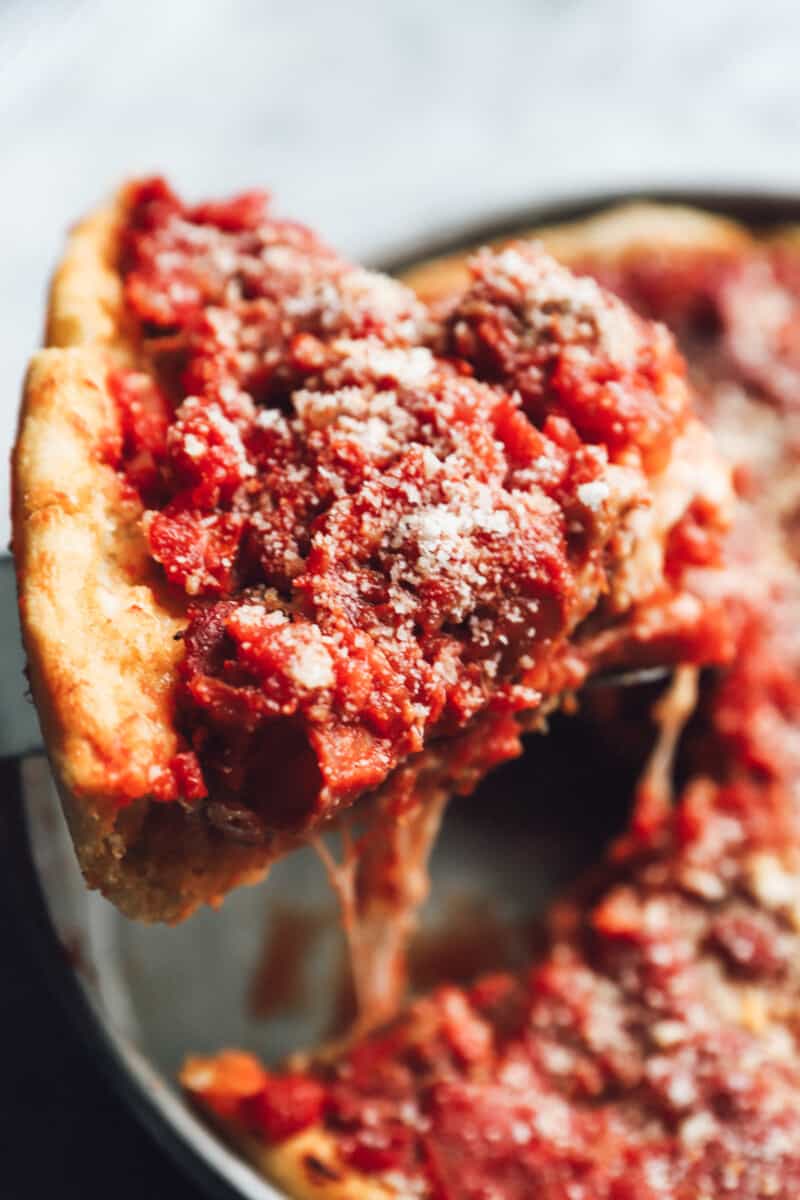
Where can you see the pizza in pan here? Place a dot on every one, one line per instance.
(650, 1054)
(288, 535)
(651, 1050)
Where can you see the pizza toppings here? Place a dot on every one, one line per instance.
(383, 523)
(651, 1052)
(569, 348)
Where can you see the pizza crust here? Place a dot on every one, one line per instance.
(609, 237)
(98, 625)
(85, 305)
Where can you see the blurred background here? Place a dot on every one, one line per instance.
(375, 121)
(380, 124)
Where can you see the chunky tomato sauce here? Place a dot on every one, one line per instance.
(385, 524)
(651, 1053)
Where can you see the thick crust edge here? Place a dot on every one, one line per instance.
(97, 624)
(609, 237)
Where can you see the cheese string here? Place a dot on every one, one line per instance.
(380, 882)
(670, 713)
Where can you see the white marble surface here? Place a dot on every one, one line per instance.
(375, 121)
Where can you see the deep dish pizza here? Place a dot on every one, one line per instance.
(651, 1052)
(286, 535)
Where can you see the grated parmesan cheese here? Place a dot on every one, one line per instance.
(593, 494)
(410, 367)
(312, 666)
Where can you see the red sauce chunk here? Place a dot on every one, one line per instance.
(384, 524)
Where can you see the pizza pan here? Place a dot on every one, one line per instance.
(264, 972)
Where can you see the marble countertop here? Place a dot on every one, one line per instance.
(379, 123)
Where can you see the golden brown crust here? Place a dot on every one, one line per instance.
(85, 303)
(98, 634)
(609, 237)
(98, 625)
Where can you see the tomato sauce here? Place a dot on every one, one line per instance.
(384, 524)
(651, 1053)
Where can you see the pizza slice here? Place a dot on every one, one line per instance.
(282, 530)
(651, 1052)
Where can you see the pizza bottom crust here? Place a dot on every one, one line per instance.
(157, 862)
